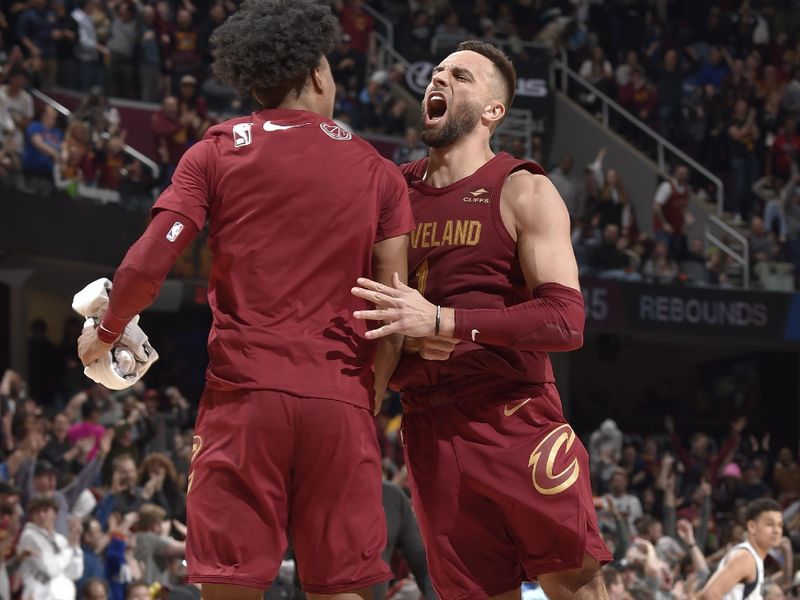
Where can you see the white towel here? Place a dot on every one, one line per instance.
(130, 357)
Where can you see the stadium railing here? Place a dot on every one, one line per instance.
(609, 108)
(130, 151)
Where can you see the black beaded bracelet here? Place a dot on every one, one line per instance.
(438, 320)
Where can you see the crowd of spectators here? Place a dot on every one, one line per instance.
(718, 79)
(41, 151)
(151, 51)
(723, 84)
(721, 81)
(610, 242)
(92, 490)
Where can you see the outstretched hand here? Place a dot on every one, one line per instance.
(403, 309)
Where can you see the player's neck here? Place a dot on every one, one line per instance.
(455, 162)
(762, 552)
(303, 102)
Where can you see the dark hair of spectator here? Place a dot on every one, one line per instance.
(17, 71)
(759, 506)
(150, 515)
(93, 581)
(269, 47)
(88, 408)
(41, 502)
(501, 62)
(157, 459)
(119, 459)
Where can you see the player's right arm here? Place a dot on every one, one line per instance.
(741, 567)
(179, 214)
(390, 259)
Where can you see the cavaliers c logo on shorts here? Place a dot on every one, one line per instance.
(556, 443)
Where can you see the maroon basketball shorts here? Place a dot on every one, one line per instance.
(501, 487)
(267, 465)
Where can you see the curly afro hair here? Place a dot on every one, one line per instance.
(270, 46)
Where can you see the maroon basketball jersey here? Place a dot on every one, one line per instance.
(295, 205)
(462, 255)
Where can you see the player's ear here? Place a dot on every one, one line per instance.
(318, 75)
(317, 79)
(494, 112)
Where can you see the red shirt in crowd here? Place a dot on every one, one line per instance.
(358, 25)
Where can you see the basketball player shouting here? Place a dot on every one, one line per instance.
(295, 205)
(499, 479)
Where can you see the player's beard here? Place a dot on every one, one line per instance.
(458, 122)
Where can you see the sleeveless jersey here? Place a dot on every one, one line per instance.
(462, 255)
(744, 590)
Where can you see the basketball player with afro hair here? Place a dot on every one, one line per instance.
(285, 441)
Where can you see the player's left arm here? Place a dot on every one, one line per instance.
(541, 222)
(138, 280)
(178, 215)
(552, 321)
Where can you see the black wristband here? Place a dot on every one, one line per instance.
(438, 320)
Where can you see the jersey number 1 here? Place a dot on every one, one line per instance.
(422, 277)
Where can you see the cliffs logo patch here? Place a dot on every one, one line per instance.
(242, 136)
(553, 453)
(479, 196)
(335, 132)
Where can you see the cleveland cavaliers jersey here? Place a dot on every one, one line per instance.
(462, 255)
(745, 591)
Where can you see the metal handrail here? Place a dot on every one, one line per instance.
(386, 47)
(130, 151)
(383, 20)
(744, 258)
(661, 142)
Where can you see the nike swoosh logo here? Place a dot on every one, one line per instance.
(475, 332)
(270, 126)
(510, 411)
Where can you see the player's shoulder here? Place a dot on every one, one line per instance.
(229, 128)
(414, 170)
(522, 182)
(373, 159)
(532, 197)
(506, 162)
(742, 561)
(413, 166)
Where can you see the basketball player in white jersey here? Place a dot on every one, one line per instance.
(740, 575)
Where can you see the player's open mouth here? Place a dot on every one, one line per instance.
(435, 108)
